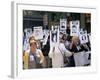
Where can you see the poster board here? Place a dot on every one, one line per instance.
(83, 37)
(74, 27)
(38, 32)
(46, 34)
(54, 37)
(63, 24)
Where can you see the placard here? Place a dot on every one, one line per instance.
(83, 37)
(27, 34)
(46, 34)
(54, 36)
(38, 32)
(63, 24)
(74, 27)
(82, 58)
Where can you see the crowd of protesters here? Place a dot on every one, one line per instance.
(44, 56)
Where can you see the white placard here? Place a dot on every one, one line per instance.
(45, 36)
(28, 32)
(63, 24)
(38, 32)
(81, 58)
(26, 45)
(74, 26)
(54, 37)
(83, 37)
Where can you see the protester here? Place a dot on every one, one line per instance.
(66, 41)
(73, 48)
(79, 49)
(33, 58)
(57, 55)
(45, 49)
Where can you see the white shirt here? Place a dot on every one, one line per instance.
(57, 57)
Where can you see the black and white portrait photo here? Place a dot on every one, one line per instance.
(74, 27)
(54, 36)
(63, 24)
(83, 37)
(38, 32)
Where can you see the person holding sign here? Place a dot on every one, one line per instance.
(57, 55)
(79, 50)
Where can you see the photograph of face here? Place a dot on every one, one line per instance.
(54, 37)
(50, 38)
(38, 32)
(74, 27)
(84, 37)
(63, 24)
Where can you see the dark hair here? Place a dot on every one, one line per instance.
(32, 38)
(63, 37)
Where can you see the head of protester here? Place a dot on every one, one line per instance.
(33, 57)
(33, 44)
(75, 40)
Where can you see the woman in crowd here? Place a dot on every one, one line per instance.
(33, 58)
(76, 47)
(66, 41)
(73, 48)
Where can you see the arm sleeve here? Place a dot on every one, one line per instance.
(51, 52)
(66, 52)
(25, 59)
(41, 56)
